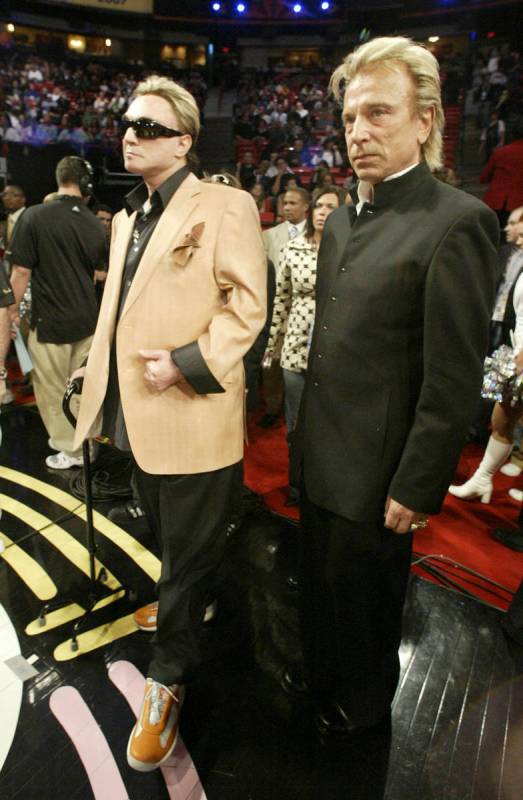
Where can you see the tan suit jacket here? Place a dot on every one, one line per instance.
(200, 289)
(274, 240)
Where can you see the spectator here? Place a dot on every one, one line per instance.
(504, 416)
(288, 183)
(296, 204)
(331, 155)
(279, 180)
(293, 315)
(246, 171)
(504, 174)
(59, 245)
(492, 136)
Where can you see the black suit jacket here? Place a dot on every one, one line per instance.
(509, 317)
(404, 297)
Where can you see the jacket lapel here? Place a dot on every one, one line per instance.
(180, 207)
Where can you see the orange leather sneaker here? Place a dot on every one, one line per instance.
(154, 736)
(146, 616)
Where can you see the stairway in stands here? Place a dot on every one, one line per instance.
(215, 146)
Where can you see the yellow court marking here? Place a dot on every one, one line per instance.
(146, 560)
(58, 537)
(95, 638)
(54, 619)
(33, 575)
(67, 613)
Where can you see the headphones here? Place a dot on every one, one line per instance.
(86, 183)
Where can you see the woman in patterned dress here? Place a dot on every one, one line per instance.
(293, 314)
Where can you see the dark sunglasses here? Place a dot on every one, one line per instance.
(146, 128)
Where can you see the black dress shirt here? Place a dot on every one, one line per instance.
(144, 226)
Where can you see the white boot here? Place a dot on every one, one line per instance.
(480, 485)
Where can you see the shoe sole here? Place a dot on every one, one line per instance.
(148, 628)
(144, 766)
(71, 466)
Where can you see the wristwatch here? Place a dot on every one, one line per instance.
(3, 373)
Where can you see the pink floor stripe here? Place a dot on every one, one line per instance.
(76, 719)
(179, 772)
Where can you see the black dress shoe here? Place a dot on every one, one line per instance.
(333, 721)
(294, 683)
(131, 516)
(128, 512)
(268, 420)
(510, 538)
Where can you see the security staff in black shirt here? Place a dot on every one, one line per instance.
(59, 245)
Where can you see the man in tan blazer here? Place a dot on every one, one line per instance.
(296, 204)
(184, 300)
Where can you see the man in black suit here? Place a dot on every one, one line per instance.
(406, 282)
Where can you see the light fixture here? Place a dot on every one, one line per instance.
(10, 27)
(433, 39)
(216, 7)
(240, 8)
(108, 42)
(297, 8)
(325, 5)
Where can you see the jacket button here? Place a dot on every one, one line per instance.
(320, 355)
(315, 383)
(333, 299)
(324, 328)
(343, 269)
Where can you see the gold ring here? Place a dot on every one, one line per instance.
(417, 526)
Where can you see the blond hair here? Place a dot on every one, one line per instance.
(181, 101)
(424, 71)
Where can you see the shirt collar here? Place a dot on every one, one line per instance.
(15, 214)
(390, 188)
(298, 225)
(137, 197)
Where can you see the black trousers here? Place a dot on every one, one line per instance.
(187, 514)
(353, 580)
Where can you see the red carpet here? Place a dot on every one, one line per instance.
(460, 533)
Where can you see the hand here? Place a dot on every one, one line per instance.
(399, 519)
(160, 370)
(14, 316)
(100, 275)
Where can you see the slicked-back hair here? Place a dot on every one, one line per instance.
(423, 68)
(182, 103)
